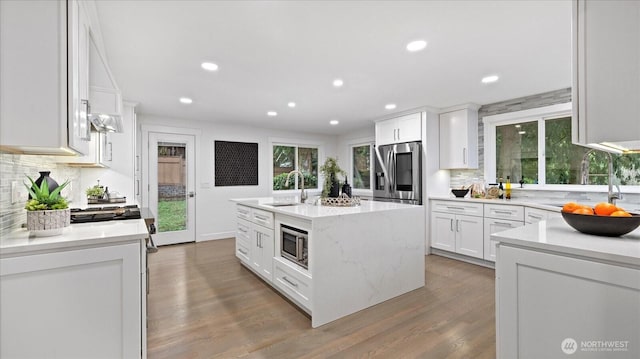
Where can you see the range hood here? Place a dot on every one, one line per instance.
(106, 123)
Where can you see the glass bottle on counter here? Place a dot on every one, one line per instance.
(508, 188)
(501, 188)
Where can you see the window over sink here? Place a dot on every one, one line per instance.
(287, 158)
(535, 146)
(361, 160)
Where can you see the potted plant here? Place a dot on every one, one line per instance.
(330, 171)
(47, 212)
(95, 192)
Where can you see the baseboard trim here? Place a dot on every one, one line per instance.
(462, 257)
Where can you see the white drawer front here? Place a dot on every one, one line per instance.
(534, 215)
(295, 284)
(243, 231)
(504, 211)
(243, 251)
(243, 212)
(262, 218)
(460, 207)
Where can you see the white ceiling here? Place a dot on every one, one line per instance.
(273, 52)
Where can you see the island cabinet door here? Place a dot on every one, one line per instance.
(72, 304)
(469, 236)
(552, 306)
(262, 251)
(443, 231)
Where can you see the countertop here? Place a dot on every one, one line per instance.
(75, 235)
(557, 236)
(310, 212)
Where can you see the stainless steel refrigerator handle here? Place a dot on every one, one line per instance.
(392, 167)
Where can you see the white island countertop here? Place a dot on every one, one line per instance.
(75, 235)
(309, 211)
(557, 236)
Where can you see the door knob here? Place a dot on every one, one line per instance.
(192, 194)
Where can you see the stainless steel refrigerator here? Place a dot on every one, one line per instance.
(398, 173)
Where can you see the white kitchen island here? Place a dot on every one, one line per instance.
(560, 292)
(81, 294)
(358, 256)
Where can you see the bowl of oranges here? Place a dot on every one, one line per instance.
(605, 219)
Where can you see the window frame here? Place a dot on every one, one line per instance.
(292, 143)
(359, 143)
(540, 114)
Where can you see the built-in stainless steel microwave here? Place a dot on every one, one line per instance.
(294, 245)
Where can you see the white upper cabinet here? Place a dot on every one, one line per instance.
(459, 139)
(606, 73)
(44, 71)
(398, 130)
(104, 95)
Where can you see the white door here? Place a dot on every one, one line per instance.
(443, 231)
(469, 236)
(171, 185)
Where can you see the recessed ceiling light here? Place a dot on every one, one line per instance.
(185, 100)
(338, 83)
(291, 104)
(272, 113)
(490, 79)
(390, 106)
(209, 66)
(334, 122)
(417, 45)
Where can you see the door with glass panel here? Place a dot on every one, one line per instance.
(171, 184)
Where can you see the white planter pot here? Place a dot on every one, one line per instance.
(49, 222)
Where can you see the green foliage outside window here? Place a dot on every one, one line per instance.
(361, 167)
(517, 156)
(289, 158)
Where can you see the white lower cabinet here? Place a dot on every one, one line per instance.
(550, 305)
(262, 251)
(83, 303)
(493, 225)
(535, 215)
(255, 240)
(293, 282)
(457, 233)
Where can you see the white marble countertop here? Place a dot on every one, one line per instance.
(75, 235)
(557, 236)
(309, 212)
(549, 204)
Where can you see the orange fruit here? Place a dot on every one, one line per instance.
(583, 210)
(605, 208)
(622, 213)
(570, 207)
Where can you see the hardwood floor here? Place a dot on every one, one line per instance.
(204, 304)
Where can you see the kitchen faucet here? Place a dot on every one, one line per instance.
(303, 194)
(584, 171)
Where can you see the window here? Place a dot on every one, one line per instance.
(287, 158)
(535, 146)
(361, 166)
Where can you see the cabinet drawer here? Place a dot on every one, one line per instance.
(292, 282)
(262, 218)
(243, 251)
(243, 212)
(504, 211)
(460, 207)
(534, 215)
(243, 231)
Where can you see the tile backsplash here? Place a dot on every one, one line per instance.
(15, 168)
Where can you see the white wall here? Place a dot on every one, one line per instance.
(215, 215)
(344, 144)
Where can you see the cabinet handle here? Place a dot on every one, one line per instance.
(457, 225)
(242, 230)
(87, 111)
(394, 134)
(398, 134)
(503, 224)
(534, 216)
(260, 217)
(137, 187)
(464, 155)
(503, 212)
(110, 151)
(243, 252)
(456, 208)
(451, 224)
(290, 282)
